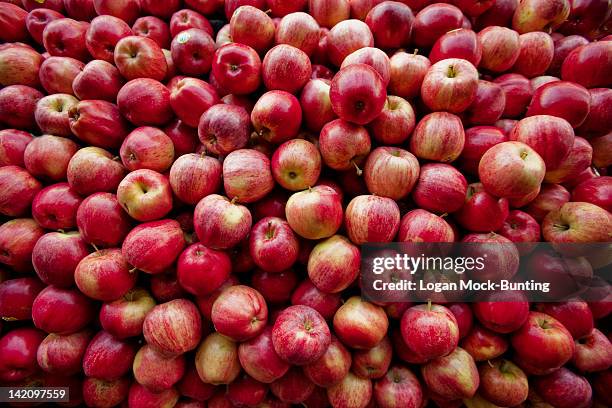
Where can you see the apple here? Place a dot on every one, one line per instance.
(440, 188)
(62, 311)
(17, 296)
(309, 295)
(243, 322)
(52, 114)
(275, 287)
(192, 387)
(126, 10)
(19, 66)
(314, 213)
(434, 21)
(224, 128)
(419, 322)
(599, 113)
(55, 207)
(520, 227)
(98, 80)
(273, 245)
(438, 136)
(37, 20)
(14, 20)
(563, 388)
(518, 91)
(145, 195)
(601, 150)
(100, 266)
(482, 212)
(300, 335)
(221, 223)
(333, 264)
(299, 30)
(103, 34)
(459, 43)
(352, 391)
(502, 312)
(251, 26)
(108, 358)
(550, 198)
(223, 37)
(18, 357)
(18, 104)
(58, 73)
(593, 352)
(503, 383)
(407, 73)
(190, 98)
(360, 324)
(192, 51)
(237, 68)
(563, 46)
(92, 170)
(193, 177)
(140, 57)
(535, 55)
(277, 116)
(586, 65)
(157, 110)
(101, 220)
(542, 80)
(47, 157)
(574, 314)
(358, 94)
(66, 38)
(153, 28)
(484, 344)
(157, 371)
(217, 360)
(97, 392)
(17, 242)
(576, 162)
(246, 391)
(478, 140)
(344, 145)
(533, 15)
(98, 123)
(451, 377)
(63, 355)
(286, 68)
(595, 191)
(280, 8)
(331, 367)
(391, 172)
(384, 15)
(259, 359)
(56, 256)
(141, 397)
(373, 57)
(201, 270)
(346, 37)
(292, 388)
(329, 13)
(124, 317)
(562, 99)
(296, 165)
(500, 48)
(82, 10)
(153, 247)
(184, 138)
(18, 189)
(395, 123)
(185, 19)
(577, 222)
(370, 218)
(247, 176)
(422, 226)
(147, 148)
(399, 387)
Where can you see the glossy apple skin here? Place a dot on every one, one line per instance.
(391, 172)
(440, 188)
(577, 222)
(103, 34)
(98, 123)
(587, 65)
(484, 344)
(149, 61)
(185, 19)
(37, 20)
(198, 262)
(438, 136)
(18, 103)
(58, 73)
(460, 43)
(596, 191)
(53, 305)
(247, 176)
(314, 213)
(502, 312)
(357, 94)
(309, 295)
(251, 26)
(574, 314)
(192, 52)
(550, 198)
(478, 140)
(14, 20)
(331, 367)
(398, 387)
(407, 74)
(300, 335)
(381, 17)
(518, 91)
(481, 211)
(145, 195)
(296, 165)
(273, 245)
(220, 223)
(17, 296)
(217, 360)
(18, 357)
(533, 15)
(600, 112)
(191, 386)
(419, 322)
(190, 98)
(286, 68)
(555, 387)
(17, 242)
(601, 150)
(126, 10)
(260, 360)
(373, 57)
(577, 161)
(157, 110)
(92, 170)
(500, 48)
(329, 13)
(155, 370)
(535, 55)
(562, 99)
(147, 148)
(237, 68)
(346, 37)
(104, 266)
(277, 116)
(55, 207)
(344, 145)
(395, 123)
(23, 67)
(52, 115)
(422, 226)
(333, 264)
(503, 383)
(316, 105)
(101, 220)
(542, 80)
(450, 85)
(299, 30)
(153, 28)
(56, 256)
(453, 376)
(293, 388)
(434, 21)
(194, 176)
(224, 128)
(140, 397)
(18, 190)
(124, 317)
(243, 322)
(47, 157)
(370, 218)
(63, 354)
(108, 358)
(66, 38)
(360, 324)
(184, 138)
(97, 392)
(521, 227)
(593, 352)
(563, 46)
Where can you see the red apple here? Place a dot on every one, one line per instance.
(329, 13)
(299, 30)
(259, 359)
(37, 20)
(333, 264)
(502, 312)
(434, 21)
(292, 388)
(564, 389)
(448, 77)
(17, 106)
(124, 317)
(140, 57)
(47, 157)
(224, 128)
(595, 191)
(385, 15)
(108, 358)
(221, 223)
(251, 26)
(101, 220)
(58, 73)
(351, 391)
(98, 123)
(346, 37)
(482, 212)
(296, 165)
(577, 222)
(273, 245)
(503, 383)
(18, 357)
(407, 74)
(601, 150)
(587, 65)
(518, 92)
(184, 138)
(97, 392)
(145, 195)
(438, 136)
(600, 113)
(191, 386)
(17, 242)
(563, 46)
(286, 68)
(391, 172)
(562, 99)
(398, 388)
(153, 28)
(395, 123)
(422, 226)
(454, 376)
(13, 19)
(126, 10)
(193, 177)
(331, 367)
(157, 371)
(141, 397)
(247, 176)
(459, 43)
(593, 352)
(147, 148)
(66, 38)
(488, 105)
(280, 8)
(173, 327)
(360, 324)
(56, 256)
(521, 227)
(277, 116)
(373, 57)
(550, 198)
(19, 66)
(465, 317)
(344, 145)
(217, 360)
(157, 110)
(240, 313)
(92, 170)
(535, 55)
(104, 266)
(192, 51)
(440, 188)
(300, 335)
(63, 355)
(17, 296)
(314, 213)
(478, 140)
(370, 218)
(237, 68)
(82, 10)
(185, 19)
(52, 114)
(577, 161)
(533, 15)
(357, 94)
(18, 189)
(55, 207)
(484, 344)
(500, 48)
(201, 270)
(309, 295)
(62, 311)
(420, 322)
(103, 34)
(275, 287)
(574, 314)
(542, 80)
(246, 391)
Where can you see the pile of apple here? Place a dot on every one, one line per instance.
(184, 187)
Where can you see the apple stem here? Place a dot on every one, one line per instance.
(490, 363)
(95, 247)
(61, 231)
(444, 215)
(234, 200)
(429, 305)
(359, 171)
(134, 269)
(116, 158)
(416, 51)
(9, 319)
